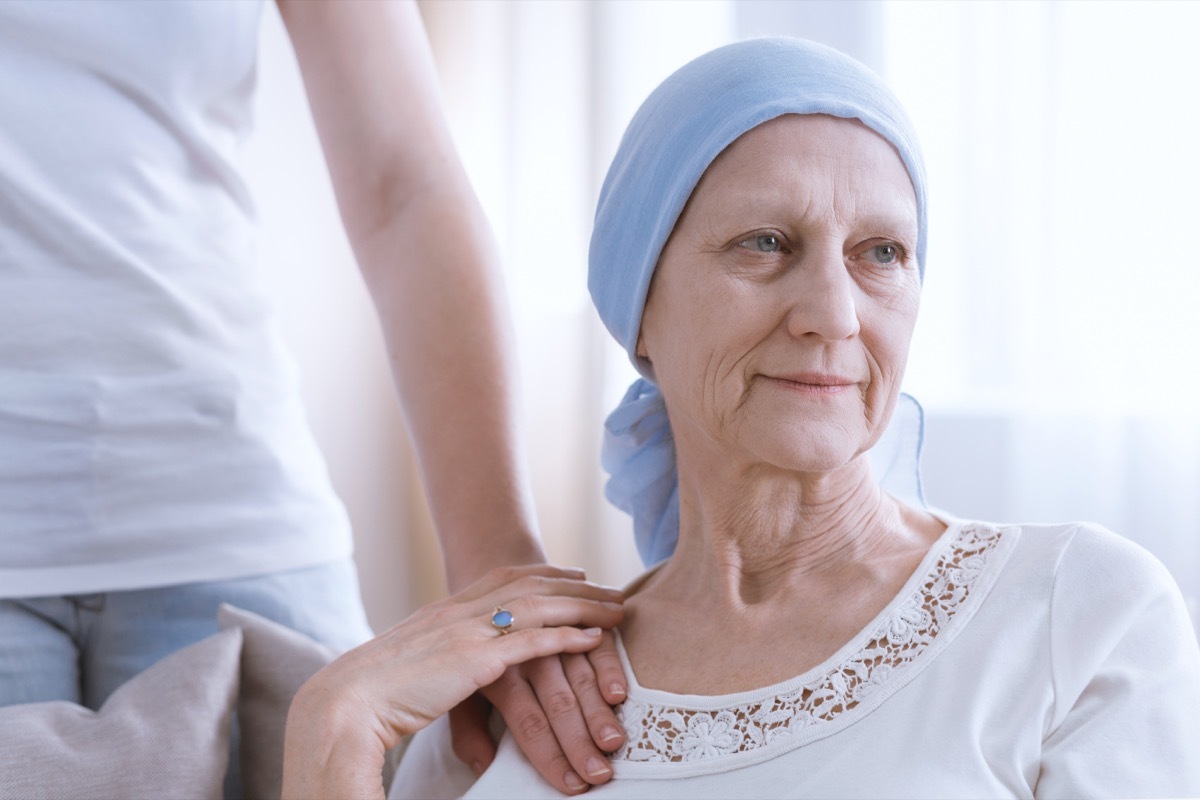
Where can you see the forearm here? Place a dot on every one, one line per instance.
(428, 257)
(432, 272)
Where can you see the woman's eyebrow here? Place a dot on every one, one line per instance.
(894, 222)
(745, 208)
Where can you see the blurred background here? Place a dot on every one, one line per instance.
(1058, 350)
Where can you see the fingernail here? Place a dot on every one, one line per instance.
(592, 631)
(616, 689)
(478, 767)
(609, 734)
(573, 781)
(596, 767)
(613, 606)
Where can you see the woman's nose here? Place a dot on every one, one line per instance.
(822, 298)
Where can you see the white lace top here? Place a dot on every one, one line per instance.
(1021, 661)
(933, 605)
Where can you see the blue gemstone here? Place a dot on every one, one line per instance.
(502, 619)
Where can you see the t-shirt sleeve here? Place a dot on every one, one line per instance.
(1126, 671)
(429, 770)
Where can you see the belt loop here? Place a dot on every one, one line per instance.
(88, 602)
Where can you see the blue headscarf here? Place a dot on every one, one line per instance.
(679, 130)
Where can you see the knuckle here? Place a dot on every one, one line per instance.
(561, 703)
(530, 585)
(583, 681)
(528, 605)
(505, 573)
(532, 726)
(536, 602)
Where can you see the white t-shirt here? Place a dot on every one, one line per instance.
(150, 427)
(1022, 661)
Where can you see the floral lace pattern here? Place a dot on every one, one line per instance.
(656, 733)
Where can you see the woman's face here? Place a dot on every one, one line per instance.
(779, 317)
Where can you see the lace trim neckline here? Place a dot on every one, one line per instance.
(688, 733)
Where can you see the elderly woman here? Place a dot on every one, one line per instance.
(804, 630)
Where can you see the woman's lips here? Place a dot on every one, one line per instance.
(812, 383)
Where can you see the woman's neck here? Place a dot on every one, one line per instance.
(750, 538)
(781, 570)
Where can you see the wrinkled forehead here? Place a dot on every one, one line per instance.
(812, 163)
(689, 120)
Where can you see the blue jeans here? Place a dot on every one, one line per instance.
(82, 647)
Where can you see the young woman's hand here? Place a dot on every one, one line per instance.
(349, 714)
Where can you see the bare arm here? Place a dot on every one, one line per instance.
(428, 258)
(429, 261)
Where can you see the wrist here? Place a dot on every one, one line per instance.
(489, 552)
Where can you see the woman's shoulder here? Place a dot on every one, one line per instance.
(1088, 553)
(1077, 574)
(1122, 663)
(1090, 582)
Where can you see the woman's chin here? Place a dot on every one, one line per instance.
(821, 439)
(808, 455)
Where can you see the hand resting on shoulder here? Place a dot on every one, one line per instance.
(348, 715)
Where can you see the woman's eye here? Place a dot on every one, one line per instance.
(885, 253)
(763, 243)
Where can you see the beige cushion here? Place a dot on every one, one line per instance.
(276, 661)
(164, 733)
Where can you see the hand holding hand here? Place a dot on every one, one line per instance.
(349, 714)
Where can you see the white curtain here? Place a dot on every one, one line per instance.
(1058, 353)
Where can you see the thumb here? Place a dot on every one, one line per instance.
(469, 734)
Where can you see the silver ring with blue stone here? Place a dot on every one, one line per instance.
(502, 620)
